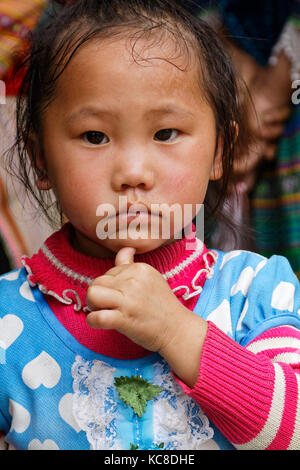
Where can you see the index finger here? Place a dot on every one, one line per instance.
(106, 280)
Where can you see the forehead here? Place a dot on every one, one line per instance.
(155, 65)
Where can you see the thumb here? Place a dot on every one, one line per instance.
(125, 256)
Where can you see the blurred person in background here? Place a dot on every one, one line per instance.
(264, 40)
(17, 20)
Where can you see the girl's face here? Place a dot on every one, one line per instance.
(117, 127)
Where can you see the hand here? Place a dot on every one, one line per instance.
(135, 299)
(270, 91)
(272, 100)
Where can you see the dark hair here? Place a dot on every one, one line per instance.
(55, 43)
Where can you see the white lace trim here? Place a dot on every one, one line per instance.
(64, 299)
(209, 273)
(94, 407)
(178, 421)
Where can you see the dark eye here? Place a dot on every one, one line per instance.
(95, 138)
(166, 134)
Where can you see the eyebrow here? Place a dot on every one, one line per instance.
(170, 110)
(97, 112)
(87, 111)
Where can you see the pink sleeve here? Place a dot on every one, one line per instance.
(252, 394)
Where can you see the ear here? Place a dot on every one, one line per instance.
(38, 162)
(217, 168)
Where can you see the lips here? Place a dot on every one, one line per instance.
(137, 209)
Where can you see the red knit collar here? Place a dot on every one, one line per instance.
(64, 273)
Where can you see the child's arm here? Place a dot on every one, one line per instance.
(252, 394)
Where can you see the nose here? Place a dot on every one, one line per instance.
(132, 169)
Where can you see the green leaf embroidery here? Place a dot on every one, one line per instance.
(133, 446)
(161, 445)
(135, 392)
(136, 446)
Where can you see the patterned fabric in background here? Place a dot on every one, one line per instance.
(275, 199)
(17, 20)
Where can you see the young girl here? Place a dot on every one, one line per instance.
(125, 342)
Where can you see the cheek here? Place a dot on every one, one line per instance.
(175, 181)
(75, 172)
(192, 179)
(76, 188)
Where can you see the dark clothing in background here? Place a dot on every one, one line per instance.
(255, 25)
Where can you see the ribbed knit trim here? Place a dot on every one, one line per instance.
(64, 273)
